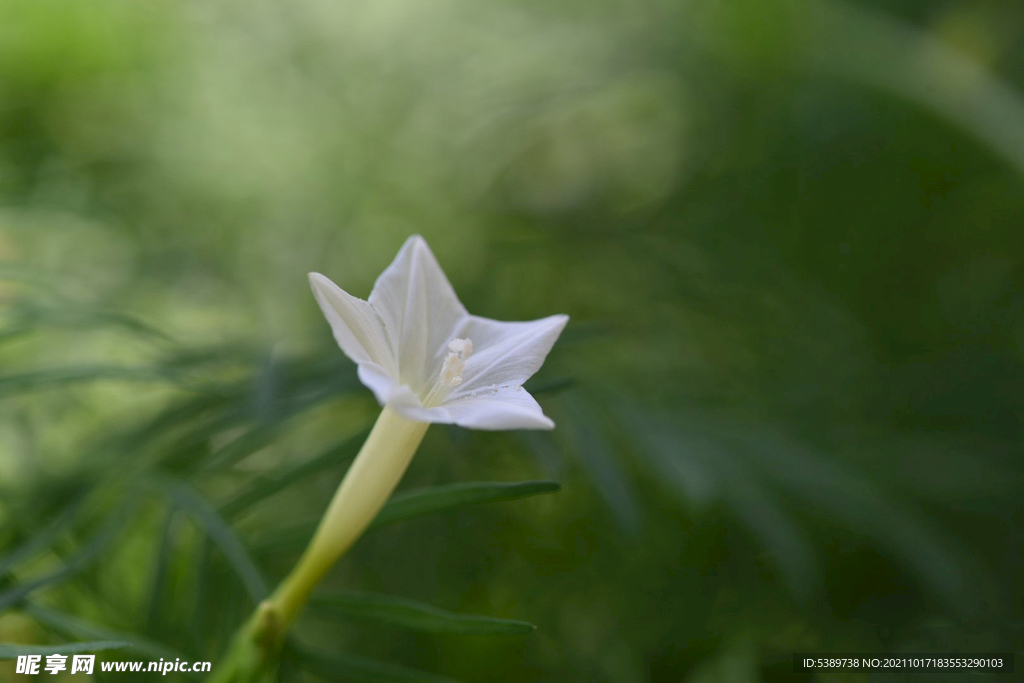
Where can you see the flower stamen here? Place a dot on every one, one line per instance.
(459, 350)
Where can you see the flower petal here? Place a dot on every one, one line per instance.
(398, 396)
(510, 407)
(357, 328)
(505, 353)
(420, 312)
(377, 380)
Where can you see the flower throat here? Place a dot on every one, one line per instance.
(459, 350)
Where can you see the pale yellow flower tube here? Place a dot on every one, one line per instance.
(367, 485)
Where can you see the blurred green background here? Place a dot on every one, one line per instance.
(789, 402)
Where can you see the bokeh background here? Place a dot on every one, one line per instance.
(789, 402)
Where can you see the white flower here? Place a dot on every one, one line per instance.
(424, 356)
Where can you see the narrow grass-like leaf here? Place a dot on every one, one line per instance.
(43, 538)
(161, 560)
(13, 650)
(452, 496)
(354, 669)
(43, 379)
(221, 534)
(280, 411)
(266, 486)
(199, 601)
(98, 543)
(413, 504)
(170, 419)
(187, 452)
(257, 438)
(414, 615)
(220, 355)
(127, 322)
(33, 317)
(74, 627)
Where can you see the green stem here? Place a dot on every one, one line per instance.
(367, 485)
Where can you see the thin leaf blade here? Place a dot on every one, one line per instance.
(267, 486)
(70, 626)
(221, 533)
(454, 496)
(415, 615)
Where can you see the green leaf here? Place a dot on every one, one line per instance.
(13, 650)
(161, 561)
(199, 603)
(88, 554)
(221, 534)
(263, 487)
(42, 379)
(281, 407)
(413, 504)
(345, 667)
(42, 539)
(254, 439)
(78, 628)
(414, 615)
(169, 420)
(453, 496)
(33, 316)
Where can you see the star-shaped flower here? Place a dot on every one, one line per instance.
(424, 356)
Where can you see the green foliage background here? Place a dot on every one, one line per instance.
(789, 402)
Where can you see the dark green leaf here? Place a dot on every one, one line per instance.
(453, 496)
(279, 410)
(160, 566)
(414, 615)
(43, 379)
(78, 628)
(266, 486)
(413, 504)
(221, 534)
(43, 538)
(84, 557)
(32, 316)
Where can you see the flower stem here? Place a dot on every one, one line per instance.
(367, 485)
